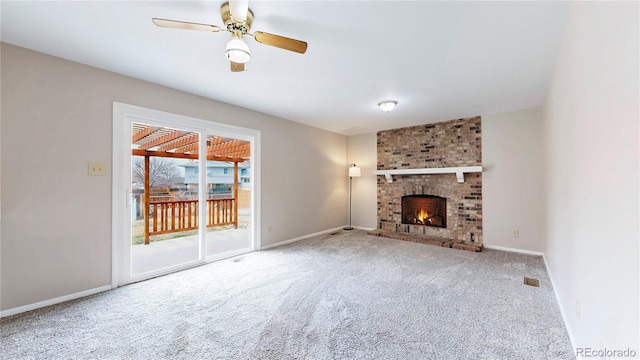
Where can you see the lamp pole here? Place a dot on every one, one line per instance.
(354, 171)
(350, 182)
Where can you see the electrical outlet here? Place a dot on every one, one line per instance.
(269, 229)
(97, 169)
(578, 308)
(515, 233)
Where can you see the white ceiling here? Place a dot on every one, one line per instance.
(439, 60)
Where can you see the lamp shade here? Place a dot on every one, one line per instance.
(237, 51)
(354, 171)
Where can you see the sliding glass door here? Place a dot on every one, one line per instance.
(228, 196)
(189, 191)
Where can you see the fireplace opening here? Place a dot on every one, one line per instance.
(427, 210)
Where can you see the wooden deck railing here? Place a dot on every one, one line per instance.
(182, 215)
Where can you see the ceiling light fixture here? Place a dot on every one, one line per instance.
(237, 50)
(387, 105)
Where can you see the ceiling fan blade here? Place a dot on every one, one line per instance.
(237, 67)
(238, 9)
(281, 42)
(175, 24)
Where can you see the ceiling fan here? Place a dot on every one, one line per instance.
(237, 18)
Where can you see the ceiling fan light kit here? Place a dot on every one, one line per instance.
(237, 18)
(237, 51)
(387, 105)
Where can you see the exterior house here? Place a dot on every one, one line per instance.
(219, 175)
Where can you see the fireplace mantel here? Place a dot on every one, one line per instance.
(459, 171)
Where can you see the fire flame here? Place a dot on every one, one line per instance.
(422, 216)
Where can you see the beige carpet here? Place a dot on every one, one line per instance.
(342, 296)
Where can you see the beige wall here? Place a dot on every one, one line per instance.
(513, 179)
(56, 220)
(592, 157)
(362, 150)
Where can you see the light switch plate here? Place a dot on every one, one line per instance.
(97, 169)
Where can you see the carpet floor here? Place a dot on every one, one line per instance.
(341, 296)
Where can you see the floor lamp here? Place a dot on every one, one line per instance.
(354, 171)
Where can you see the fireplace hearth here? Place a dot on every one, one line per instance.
(425, 210)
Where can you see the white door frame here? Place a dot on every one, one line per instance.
(123, 116)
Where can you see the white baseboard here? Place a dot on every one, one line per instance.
(58, 300)
(521, 251)
(562, 312)
(61, 299)
(285, 242)
(553, 286)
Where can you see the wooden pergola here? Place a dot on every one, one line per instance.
(175, 216)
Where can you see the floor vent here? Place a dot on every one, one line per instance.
(531, 282)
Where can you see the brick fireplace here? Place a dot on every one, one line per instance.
(432, 208)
